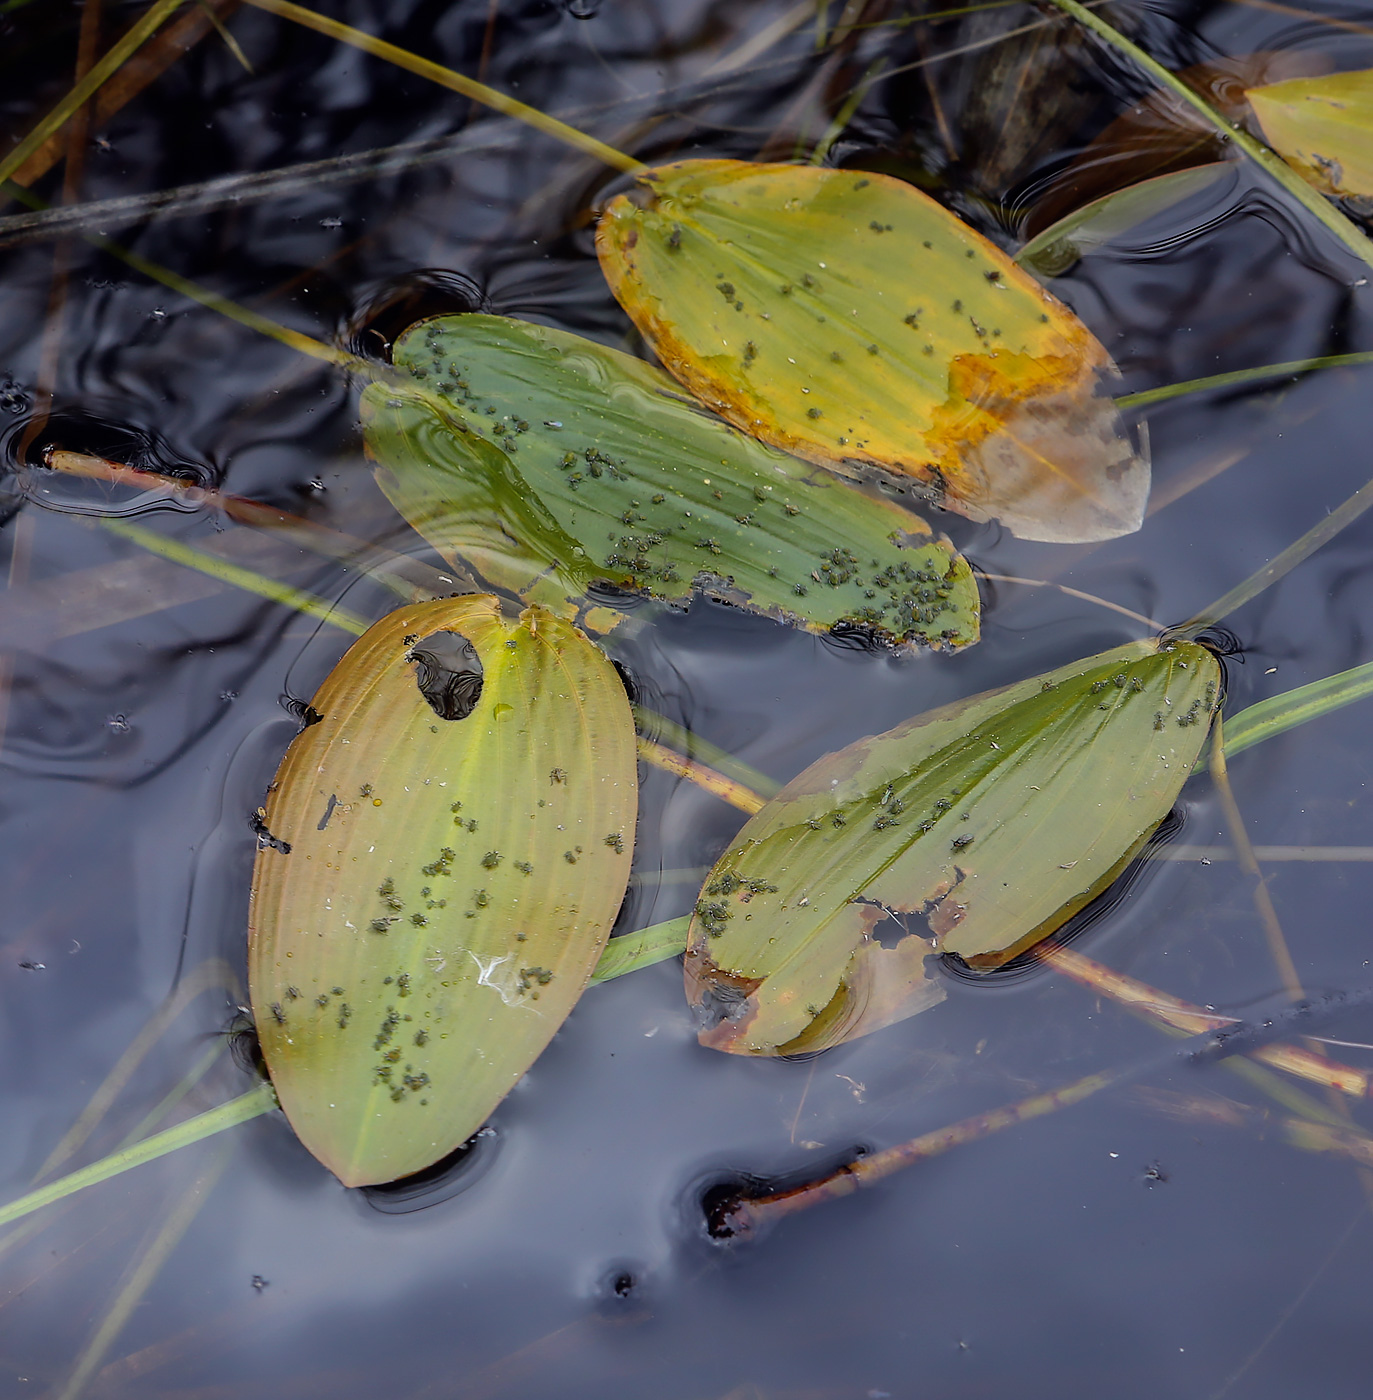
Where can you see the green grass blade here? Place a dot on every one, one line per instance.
(253, 1104)
(456, 82)
(239, 577)
(650, 945)
(1279, 713)
(143, 30)
(1148, 397)
(1319, 534)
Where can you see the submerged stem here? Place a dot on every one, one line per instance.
(246, 579)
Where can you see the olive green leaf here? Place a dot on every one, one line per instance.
(848, 318)
(440, 860)
(548, 462)
(1322, 127)
(1103, 221)
(974, 830)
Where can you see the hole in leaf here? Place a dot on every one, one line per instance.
(450, 674)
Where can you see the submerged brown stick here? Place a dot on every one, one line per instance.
(744, 1217)
(1244, 853)
(411, 579)
(1184, 1016)
(736, 794)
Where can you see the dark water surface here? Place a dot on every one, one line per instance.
(1152, 1241)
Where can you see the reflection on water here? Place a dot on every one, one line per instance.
(1151, 1241)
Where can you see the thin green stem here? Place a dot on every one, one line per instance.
(183, 286)
(282, 593)
(1279, 713)
(253, 1104)
(140, 1276)
(456, 82)
(1284, 563)
(650, 945)
(134, 39)
(1273, 165)
(845, 114)
(1147, 397)
(173, 1096)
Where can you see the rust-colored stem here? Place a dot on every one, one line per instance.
(1194, 1020)
(736, 794)
(748, 1216)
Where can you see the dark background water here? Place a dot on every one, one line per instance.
(1135, 1245)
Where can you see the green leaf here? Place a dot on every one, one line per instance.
(1323, 128)
(848, 318)
(1104, 220)
(437, 875)
(1279, 713)
(548, 462)
(981, 826)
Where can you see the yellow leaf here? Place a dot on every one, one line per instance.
(1323, 128)
(848, 318)
(441, 857)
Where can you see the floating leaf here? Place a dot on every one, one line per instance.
(974, 830)
(1104, 220)
(848, 318)
(1323, 128)
(549, 462)
(441, 857)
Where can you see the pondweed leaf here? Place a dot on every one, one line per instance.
(442, 855)
(1323, 128)
(1104, 221)
(848, 318)
(548, 462)
(976, 830)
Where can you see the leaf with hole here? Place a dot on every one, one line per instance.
(549, 463)
(1323, 128)
(440, 859)
(848, 318)
(974, 830)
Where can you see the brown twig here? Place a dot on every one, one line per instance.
(410, 578)
(1194, 1020)
(736, 794)
(1244, 853)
